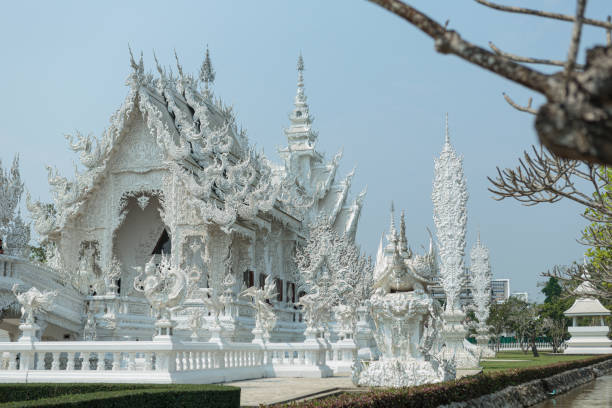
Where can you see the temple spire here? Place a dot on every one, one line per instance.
(299, 133)
(446, 132)
(207, 74)
(392, 237)
(300, 97)
(403, 239)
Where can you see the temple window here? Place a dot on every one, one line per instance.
(279, 289)
(248, 277)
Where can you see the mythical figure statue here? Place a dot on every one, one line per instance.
(163, 285)
(406, 319)
(265, 319)
(33, 301)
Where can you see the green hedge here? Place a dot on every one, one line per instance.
(433, 395)
(118, 395)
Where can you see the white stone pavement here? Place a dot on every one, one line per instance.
(269, 391)
(275, 390)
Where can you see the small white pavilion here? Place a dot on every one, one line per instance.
(591, 339)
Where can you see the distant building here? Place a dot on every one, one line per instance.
(524, 296)
(500, 290)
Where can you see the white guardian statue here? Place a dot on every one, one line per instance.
(406, 319)
(449, 198)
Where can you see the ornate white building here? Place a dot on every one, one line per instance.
(173, 174)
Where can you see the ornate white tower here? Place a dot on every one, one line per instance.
(301, 139)
(480, 279)
(449, 198)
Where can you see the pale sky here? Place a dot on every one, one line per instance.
(374, 83)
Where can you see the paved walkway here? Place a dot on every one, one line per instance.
(275, 390)
(269, 391)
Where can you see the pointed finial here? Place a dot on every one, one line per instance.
(478, 237)
(392, 230)
(299, 98)
(403, 239)
(207, 73)
(446, 133)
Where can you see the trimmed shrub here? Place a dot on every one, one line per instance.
(118, 395)
(433, 395)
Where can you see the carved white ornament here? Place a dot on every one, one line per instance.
(449, 198)
(33, 301)
(406, 319)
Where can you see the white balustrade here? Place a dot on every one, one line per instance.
(515, 346)
(159, 361)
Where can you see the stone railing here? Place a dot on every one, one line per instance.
(544, 346)
(341, 355)
(160, 362)
(68, 304)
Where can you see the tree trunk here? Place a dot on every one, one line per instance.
(534, 349)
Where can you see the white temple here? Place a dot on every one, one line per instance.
(174, 175)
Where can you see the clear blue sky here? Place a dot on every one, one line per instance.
(374, 83)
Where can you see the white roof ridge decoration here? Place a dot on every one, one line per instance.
(180, 119)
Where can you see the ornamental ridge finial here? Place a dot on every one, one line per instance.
(392, 231)
(207, 73)
(446, 133)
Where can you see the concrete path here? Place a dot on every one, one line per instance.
(276, 390)
(269, 391)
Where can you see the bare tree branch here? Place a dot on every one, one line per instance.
(609, 32)
(575, 43)
(518, 58)
(544, 178)
(450, 42)
(556, 16)
(576, 120)
(516, 106)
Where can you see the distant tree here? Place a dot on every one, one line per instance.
(552, 290)
(554, 321)
(499, 321)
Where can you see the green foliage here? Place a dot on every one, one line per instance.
(600, 257)
(552, 290)
(37, 254)
(433, 395)
(117, 395)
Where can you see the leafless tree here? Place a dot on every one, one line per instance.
(576, 120)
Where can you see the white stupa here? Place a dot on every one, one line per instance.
(588, 339)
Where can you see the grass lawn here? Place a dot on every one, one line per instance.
(528, 360)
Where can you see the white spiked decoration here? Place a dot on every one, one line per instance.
(449, 198)
(480, 279)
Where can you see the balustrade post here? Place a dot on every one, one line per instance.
(55, 361)
(132, 361)
(40, 361)
(100, 366)
(70, 361)
(12, 365)
(148, 363)
(116, 361)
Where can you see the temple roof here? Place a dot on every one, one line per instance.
(587, 307)
(181, 118)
